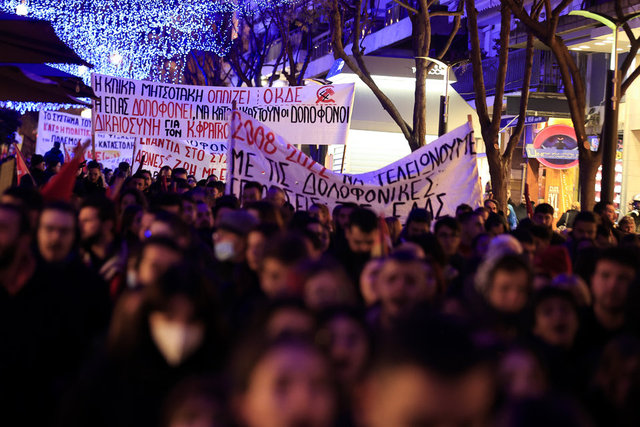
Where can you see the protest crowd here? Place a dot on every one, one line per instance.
(134, 300)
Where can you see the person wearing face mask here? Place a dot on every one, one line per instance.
(238, 284)
(171, 334)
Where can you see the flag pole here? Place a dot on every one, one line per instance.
(232, 146)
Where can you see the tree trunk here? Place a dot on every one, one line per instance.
(588, 168)
(500, 178)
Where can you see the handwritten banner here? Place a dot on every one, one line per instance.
(199, 158)
(69, 130)
(437, 177)
(304, 115)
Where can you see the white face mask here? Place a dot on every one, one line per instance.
(224, 251)
(175, 340)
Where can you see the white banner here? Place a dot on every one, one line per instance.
(69, 130)
(199, 158)
(303, 114)
(437, 177)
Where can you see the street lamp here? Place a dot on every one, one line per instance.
(609, 137)
(444, 99)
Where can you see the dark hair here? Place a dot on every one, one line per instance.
(629, 257)
(419, 215)
(105, 207)
(544, 208)
(600, 207)
(167, 199)
(61, 207)
(510, 263)
(267, 212)
(128, 216)
(124, 166)
(467, 216)
(141, 200)
(24, 226)
(363, 218)
(523, 235)
(30, 198)
(93, 165)
(179, 171)
(288, 248)
(253, 184)
(462, 208)
(585, 216)
(495, 220)
(541, 232)
(449, 222)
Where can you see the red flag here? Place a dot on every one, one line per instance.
(21, 165)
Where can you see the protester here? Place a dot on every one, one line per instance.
(277, 315)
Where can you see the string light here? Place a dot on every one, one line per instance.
(140, 39)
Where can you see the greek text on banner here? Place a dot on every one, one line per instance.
(303, 114)
(437, 177)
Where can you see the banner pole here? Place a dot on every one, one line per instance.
(232, 146)
(344, 154)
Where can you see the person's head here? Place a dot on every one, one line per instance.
(404, 281)
(284, 317)
(492, 205)
(284, 383)
(96, 220)
(447, 231)
(495, 225)
(251, 192)
(542, 236)
(137, 182)
(130, 197)
(180, 173)
(148, 179)
(607, 212)
(321, 212)
(188, 209)
(362, 231)
(627, 225)
(203, 216)
(618, 372)
(585, 227)
(266, 212)
(256, 241)
(28, 199)
(191, 180)
(37, 162)
(56, 231)
(230, 237)
(281, 255)
(418, 222)
(56, 145)
(472, 224)
(543, 215)
(343, 333)
(276, 196)
(431, 374)
(53, 165)
(555, 316)
(93, 172)
(168, 202)
(462, 209)
(165, 171)
(198, 401)
(395, 228)
(325, 284)
(615, 270)
(14, 232)
(341, 214)
(508, 284)
(131, 221)
(520, 373)
(180, 309)
(156, 256)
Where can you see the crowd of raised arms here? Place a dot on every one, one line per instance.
(133, 300)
